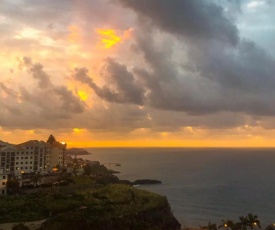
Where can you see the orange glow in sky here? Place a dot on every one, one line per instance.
(98, 76)
(109, 37)
(83, 95)
(75, 34)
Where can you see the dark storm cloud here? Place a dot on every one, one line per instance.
(196, 19)
(187, 59)
(219, 77)
(121, 88)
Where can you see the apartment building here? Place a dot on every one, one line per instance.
(31, 156)
(3, 181)
(56, 155)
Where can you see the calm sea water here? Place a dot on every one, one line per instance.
(202, 184)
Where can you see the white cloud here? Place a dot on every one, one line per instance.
(255, 4)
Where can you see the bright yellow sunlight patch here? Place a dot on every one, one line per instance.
(83, 95)
(109, 37)
(76, 130)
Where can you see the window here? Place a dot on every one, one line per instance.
(3, 183)
(4, 177)
(26, 167)
(3, 192)
(26, 157)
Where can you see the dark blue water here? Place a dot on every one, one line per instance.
(203, 184)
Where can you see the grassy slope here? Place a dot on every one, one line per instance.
(108, 202)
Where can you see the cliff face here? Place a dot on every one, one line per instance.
(111, 207)
(119, 208)
(159, 218)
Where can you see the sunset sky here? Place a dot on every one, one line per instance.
(103, 73)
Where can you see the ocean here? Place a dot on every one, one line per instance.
(202, 185)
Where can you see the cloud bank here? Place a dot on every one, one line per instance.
(186, 64)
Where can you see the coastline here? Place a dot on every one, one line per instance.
(196, 193)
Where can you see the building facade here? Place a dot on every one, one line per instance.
(3, 181)
(55, 155)
(31, 157)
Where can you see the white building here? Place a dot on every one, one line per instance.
(55, 155)
(3, 181)
(31, 156)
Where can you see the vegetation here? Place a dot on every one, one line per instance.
(249, 222)
(87, 169)
(12, 186)
(97, 168)
(51, 139)
(36, 178)
(20, 227)
(76, 166)
(102, 205)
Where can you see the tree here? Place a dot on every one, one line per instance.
(58, 167)
(87, 169)
(76, 166)
(229, 224)
(250, 221)
(51, 139)
(210, 226)
(253, 221)
(12, 185)
(36, 178)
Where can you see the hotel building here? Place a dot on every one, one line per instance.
(3, 181)
(31, 156)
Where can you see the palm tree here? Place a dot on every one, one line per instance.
(243, 223)
(253, 221)
(210, 226)
(229, 224)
